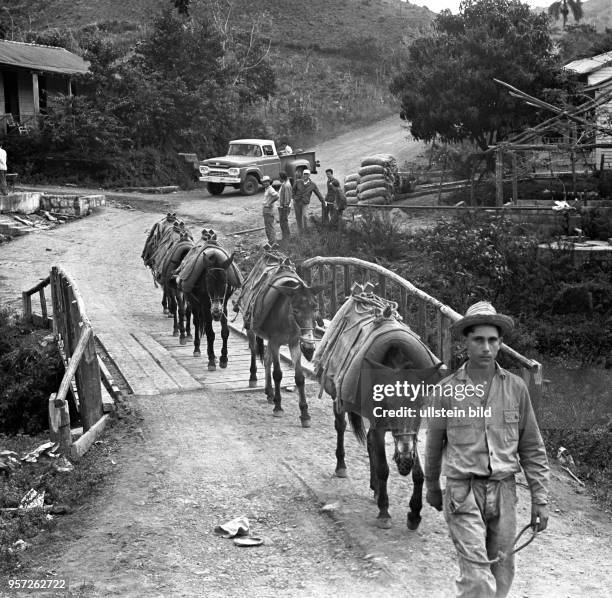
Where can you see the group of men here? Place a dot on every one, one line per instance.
(299, 194)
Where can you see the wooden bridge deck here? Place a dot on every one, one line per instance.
(155, 363)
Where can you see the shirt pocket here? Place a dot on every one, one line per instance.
(511, 424)
(461, 433)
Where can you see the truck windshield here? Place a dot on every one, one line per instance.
(244, 149)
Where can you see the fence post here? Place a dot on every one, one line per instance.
(446, 352)
(499, 177)
(59, 424)
(88, 382)
(382, 286)
(26, 302)
(43, 307)
(422, 320)
(334, 291)
(347, 281)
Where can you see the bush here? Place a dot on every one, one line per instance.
(29, 373)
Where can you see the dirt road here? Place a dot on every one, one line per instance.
(202, 458)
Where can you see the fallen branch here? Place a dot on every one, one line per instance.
(568, 471)
(248, 230)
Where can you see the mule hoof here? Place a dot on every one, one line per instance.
(170, 315)
(166, 310)
(175, 333)
(341, 473)
(223, 363)
(196, 354)
(278, 413)
(413, 521)
(189, 335)
(305, 423)
(383, 523)
(270, 399)
(212, 367)
(183, 340)
(252, 383)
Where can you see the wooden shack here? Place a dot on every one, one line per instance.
(29, 75)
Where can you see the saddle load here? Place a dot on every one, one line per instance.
(198, 258)
(367, 347)
(174, 243)
(260, 291)
(155, 235)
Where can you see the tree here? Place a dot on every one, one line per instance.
(446, 88)
(562, 8)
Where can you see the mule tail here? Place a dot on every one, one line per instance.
(260, 348)
(357, 426)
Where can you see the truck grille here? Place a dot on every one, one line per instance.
(218, 173)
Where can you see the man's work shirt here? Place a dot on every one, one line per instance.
(2, 159)
(491, 441)
(270, 196)
(302, 191)
(331, 190)
(285, 194)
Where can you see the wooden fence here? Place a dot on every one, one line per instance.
(75, 337)
(429, 318)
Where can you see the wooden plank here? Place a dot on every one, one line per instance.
(26, 306)
(499, 177)
(88, 379)
(382, 286)
(59, 424)
(347, 281)
(403, 307)
(334, 292)
(514, 179)
(72, 366)
(83, 444)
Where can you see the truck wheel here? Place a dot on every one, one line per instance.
(215, 188)
(250, 185)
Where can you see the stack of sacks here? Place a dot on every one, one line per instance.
(378, 176)
(350, 187)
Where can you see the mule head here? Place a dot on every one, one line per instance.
(304, 310)
(216, 278)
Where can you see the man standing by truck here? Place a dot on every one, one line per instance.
(270, 196)
(284, 204)
(328, 208)
(302, 190)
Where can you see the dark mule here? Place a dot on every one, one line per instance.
(291, 319)
(210, 288)
(405, 432)
(151, 244)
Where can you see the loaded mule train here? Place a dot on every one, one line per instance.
(365, 344)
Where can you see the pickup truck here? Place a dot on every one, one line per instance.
(247, 161)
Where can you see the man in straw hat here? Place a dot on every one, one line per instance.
(486, 427)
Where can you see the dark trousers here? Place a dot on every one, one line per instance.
(301, 214)
(3, 187)
(283, 216)
(269, 226)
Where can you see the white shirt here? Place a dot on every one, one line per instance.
(2, 159)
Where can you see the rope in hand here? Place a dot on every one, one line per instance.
(501, 556)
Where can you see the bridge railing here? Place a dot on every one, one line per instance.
(427, 316)
(76, 341)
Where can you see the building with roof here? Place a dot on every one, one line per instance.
(29, 75)
(596, 73)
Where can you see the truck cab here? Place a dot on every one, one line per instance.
(247, 161)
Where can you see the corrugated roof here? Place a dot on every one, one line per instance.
(41, 58)
(584, 66)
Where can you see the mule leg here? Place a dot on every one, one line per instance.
(188, 319)
(196, 328)
(416, 501)
(372, 459)
(268, 389)
(383, 521)
(210, 340)
(165, 301)
(296, 357)
(224, 336)
(253, 347)
(277, 375)
(340, 425)
(180, 301)
(173, 304)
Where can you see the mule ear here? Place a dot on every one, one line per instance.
(290, 287)
(228, 262)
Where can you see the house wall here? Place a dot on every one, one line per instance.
(26, 96)
(604, 117)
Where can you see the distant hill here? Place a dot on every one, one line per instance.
(316, 22)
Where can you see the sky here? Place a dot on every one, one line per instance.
(438, 5)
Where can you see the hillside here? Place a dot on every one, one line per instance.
(598, 13)
(318, 22)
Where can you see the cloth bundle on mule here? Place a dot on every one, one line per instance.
(348, 361)
(378, 178)
(259, 294)
(155, 235)
(170, 237)
(195, 262)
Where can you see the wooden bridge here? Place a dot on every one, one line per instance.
(152, 362)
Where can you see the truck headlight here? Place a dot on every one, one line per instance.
(234, 171)
(204, 170)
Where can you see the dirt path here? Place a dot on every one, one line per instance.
(199, 459)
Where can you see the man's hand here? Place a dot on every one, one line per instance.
(434, 498)
(539, 517)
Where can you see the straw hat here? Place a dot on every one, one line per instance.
(483, 313)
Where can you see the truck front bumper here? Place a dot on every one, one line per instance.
(228, 180)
